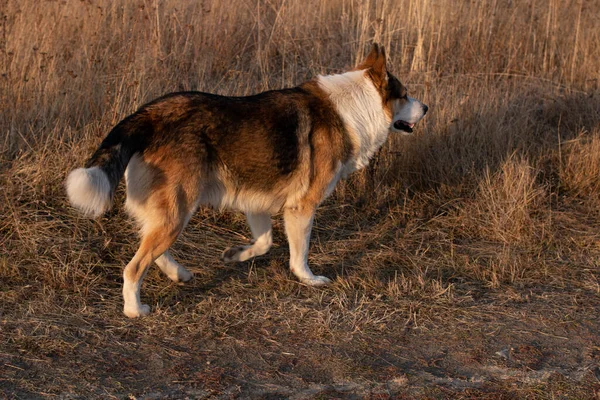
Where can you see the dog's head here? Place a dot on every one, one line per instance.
(403, 111)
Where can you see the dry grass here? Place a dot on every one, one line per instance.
(465, 262)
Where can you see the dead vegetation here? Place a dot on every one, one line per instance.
(465, 262)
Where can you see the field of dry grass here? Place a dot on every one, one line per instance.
(466, 261)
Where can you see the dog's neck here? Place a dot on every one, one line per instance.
(360, 106)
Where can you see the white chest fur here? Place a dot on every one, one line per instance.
(360, 107)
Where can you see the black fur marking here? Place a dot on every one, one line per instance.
(396, 90)
(125, 139)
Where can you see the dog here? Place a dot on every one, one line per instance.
(281, 150)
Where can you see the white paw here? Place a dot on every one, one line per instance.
(237, 254)
(144, 309)
(316, 280)
(183, 275)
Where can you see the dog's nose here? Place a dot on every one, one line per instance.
(425, 108)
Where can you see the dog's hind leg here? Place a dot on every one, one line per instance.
(172, 268)
(154, 243)
(161, 196)
(260, 225)
(298, 224)
(162, 217)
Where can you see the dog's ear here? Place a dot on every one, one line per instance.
(375, 61)
(375, 65)
(371, 57)
(379, 67)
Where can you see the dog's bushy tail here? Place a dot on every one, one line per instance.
(91, 189)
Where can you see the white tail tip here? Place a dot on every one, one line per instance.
(89, 191)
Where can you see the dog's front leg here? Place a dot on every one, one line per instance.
(260, 225)
(298, 224)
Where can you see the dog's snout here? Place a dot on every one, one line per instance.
(425, 108)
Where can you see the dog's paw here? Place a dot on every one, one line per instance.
(183, 275)
(143, 310)
(316, 280)
(237, 254)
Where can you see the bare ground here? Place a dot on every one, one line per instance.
(252, 331)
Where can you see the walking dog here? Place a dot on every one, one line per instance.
(281, 150)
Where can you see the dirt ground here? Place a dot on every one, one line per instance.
(252, 331)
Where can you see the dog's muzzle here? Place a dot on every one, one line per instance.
(405, 126)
